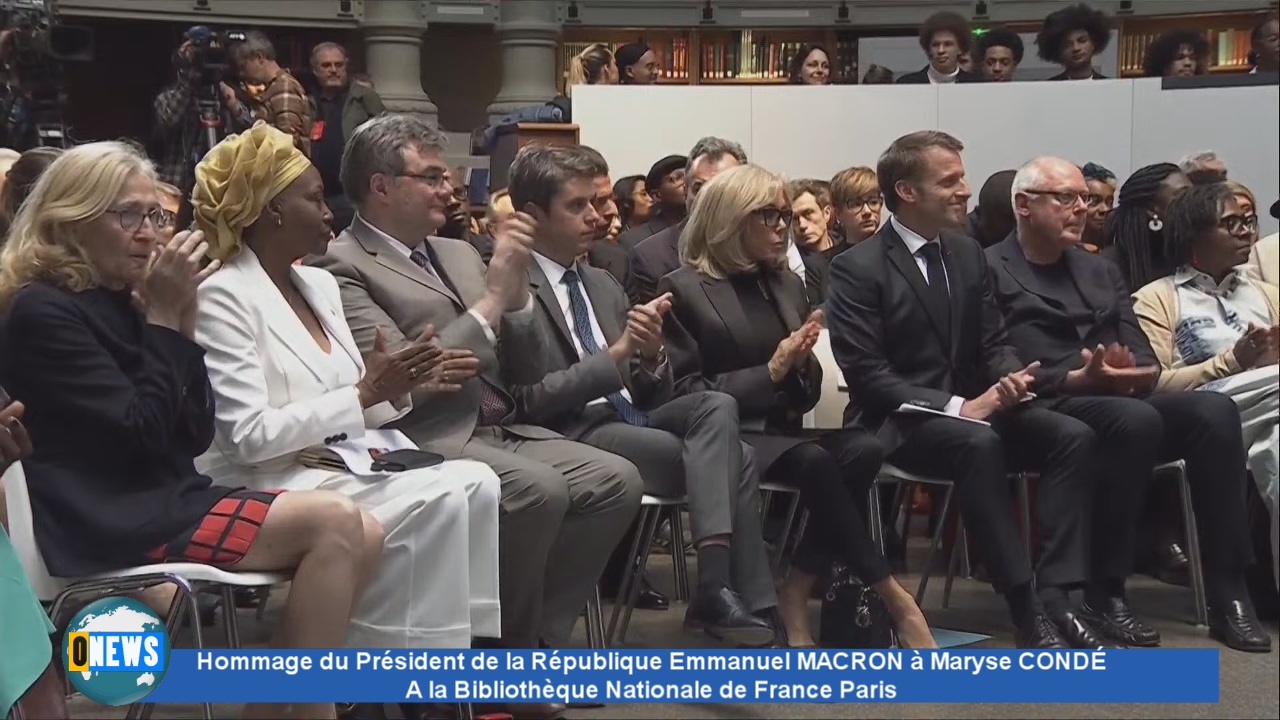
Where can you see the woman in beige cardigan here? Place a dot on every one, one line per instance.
(1215, 329)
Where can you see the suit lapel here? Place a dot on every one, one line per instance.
(330, 317)
(602, 303)
(902, 260)
(397, 262)
(546, 296)
(722, 297)
(1095, 295)
(956, 290)
(282, 321)
(785, 302)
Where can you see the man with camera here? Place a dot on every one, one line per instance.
(196, 111)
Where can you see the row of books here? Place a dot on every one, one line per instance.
(673, 56)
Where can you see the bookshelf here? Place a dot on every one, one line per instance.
(719, 57)
(1228, 35)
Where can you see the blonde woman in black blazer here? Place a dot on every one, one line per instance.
(740, 324)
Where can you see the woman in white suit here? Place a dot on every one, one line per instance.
(287, 376)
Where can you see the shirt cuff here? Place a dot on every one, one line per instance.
(954, 405)
(484, 325)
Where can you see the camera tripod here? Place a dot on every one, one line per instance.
(210, 109)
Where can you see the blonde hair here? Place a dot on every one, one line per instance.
(712, 239)
(491, 213)
(164, 189)
(1239, 189)
(44, 243)
(851, 183)
(588, 66)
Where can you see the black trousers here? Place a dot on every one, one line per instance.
(834, 472)
(977, 459)
(1134, 435)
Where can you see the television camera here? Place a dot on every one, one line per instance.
(203, 57)
(34, 44)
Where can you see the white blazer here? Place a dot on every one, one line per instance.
(275, 391)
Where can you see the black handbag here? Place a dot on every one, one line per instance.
(854, 615)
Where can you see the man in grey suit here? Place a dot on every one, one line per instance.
(565, 504)
(608, 384)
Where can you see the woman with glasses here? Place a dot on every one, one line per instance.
(1215, 329)
(740, 324)
(856, 203)
(1248, 206)
(97, 344)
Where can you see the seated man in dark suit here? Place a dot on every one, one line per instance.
(1065, 307)
(944, 37)
(665, 182)
(914, 328)
(608, 384)
(660, 254)
(605, 253)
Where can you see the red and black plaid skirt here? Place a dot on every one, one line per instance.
(223, 536)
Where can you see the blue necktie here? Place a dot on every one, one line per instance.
(582, 328)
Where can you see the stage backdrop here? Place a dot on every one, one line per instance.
(816, 131)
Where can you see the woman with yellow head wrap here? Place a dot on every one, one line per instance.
(288, 380)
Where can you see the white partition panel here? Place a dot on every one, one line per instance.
(634, 127)
(810, 131)
(1003, 125)
(1240, 124)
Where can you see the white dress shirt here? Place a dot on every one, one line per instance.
(937, 78)
(914, 241)
(407, 252)
(795, 260)
(555, 275)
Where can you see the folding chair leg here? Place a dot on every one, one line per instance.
(792, 507)
(874, 520)
(1022, 485)
(935, 544)
(1194, 558)
(595, 621)
(952, 561)
(230, 624)
(466, 712)
(634, 595)
(679, 563)
(638, 557)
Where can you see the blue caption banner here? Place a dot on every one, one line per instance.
(658, 676)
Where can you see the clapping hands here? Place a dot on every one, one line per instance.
(506, 278)
(643, 333)
(1112, 370)
(793, 352)
(167, 293)
(1258, 347)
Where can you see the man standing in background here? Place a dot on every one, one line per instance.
(284, 103)
(339, 107)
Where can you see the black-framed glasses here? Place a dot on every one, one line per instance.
(131, 218)
(1236, 223)
(771, 216)
(874, 202)
(1064, 197)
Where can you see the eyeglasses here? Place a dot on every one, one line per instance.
(131, 220)
(871, 203)
(771, 216)
(1235, 223)
(1066, 198)
(432, 180)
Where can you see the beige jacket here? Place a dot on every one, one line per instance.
(1156, 306)
(1264, 260)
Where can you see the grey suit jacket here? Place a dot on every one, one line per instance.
(559, 399)
(381, 288)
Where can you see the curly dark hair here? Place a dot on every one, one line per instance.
(999, 37)
(1059, 23)
(945, 21)
(796, 65)
(1165, 48)
(1191, 214)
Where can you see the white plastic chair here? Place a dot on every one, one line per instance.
(188, 578)
(829, 412)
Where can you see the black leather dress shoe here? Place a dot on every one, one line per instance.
(1116, 621)
(1172, 566)
(1078, 632)
(719, 612)
(1235, 626)
(648, 599)
(1040, 634)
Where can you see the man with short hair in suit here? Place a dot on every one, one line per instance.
(565, 504)
(1071, 310)
(914, 327)
(666, 184)
(608, 384)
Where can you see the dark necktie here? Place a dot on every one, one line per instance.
(582, 328)
(494, 406)
(939, 296)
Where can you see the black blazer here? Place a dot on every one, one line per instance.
(654, 257)
(1038, 323)
(632, 237)
(612, 259)
(710, 342)
(117, 409)
(921, 77)
(887, 341)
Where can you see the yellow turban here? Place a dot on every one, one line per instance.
(237, 179)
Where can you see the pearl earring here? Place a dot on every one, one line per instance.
(1155, 224)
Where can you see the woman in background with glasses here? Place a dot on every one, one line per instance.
(741, 324)
(856, 203)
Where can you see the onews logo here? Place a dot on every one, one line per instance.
(116, 651)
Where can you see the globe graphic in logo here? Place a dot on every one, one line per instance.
(115, 615)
